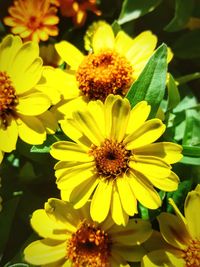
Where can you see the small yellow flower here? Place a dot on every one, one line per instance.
(114, 160)
(33, 19)
(182, 236)
(20, 102)
(72, 239)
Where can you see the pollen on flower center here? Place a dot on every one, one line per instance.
(111, 158)
(104, 73)
(191, 255)
(8, 99)
(89, 246)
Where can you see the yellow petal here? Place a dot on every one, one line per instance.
(134, 233)
(47, 228)
(144, 191)
(149, 132)
(192, 206)
(8, 136)
(142, 47)
(9, 47)
(44, 252)
(49, 121)
(169, 183)
(150, 165)
(101, 195)
(33, 104)
(96, 108)
(70, 54)
(131, 254)
(80, 195)
(173, 230)
(162, 258)
(1, 156)
(31, 130)
(119, 119)
(86, 124)
(68, 151)
(62, 213)
(169, 152)
(123, 42)
(103, 38)
(128, 200)
(119, 216)
(138, 116)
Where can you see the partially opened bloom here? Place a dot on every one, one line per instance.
(72, 239)
(33, 19)
(77, 9)
(20, 102)
(114, 160)
(182, 236)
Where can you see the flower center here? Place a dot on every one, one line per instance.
(8, 99)
(89, 247)
(34, 23)
(191, 255)
(104, 73)
(111, 158)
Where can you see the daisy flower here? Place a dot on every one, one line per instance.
(20, 102)
(33, 19)
(72, 239)
(112, 65)
(182, 236)
(77, 10)
(114, 160)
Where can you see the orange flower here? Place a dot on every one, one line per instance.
(33, 19)
(77, 9)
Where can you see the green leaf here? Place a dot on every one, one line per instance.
(133, 9)
(143, 211)
(193, 151)
(183, 11)
(18, 265)
(189, 101)
(191, 134)
(116, 27)
(190, 160)
(188, 78)
(173, 93)
(150, 85)
(188, 45)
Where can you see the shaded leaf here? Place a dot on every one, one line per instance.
(183, 11)
(133, 9)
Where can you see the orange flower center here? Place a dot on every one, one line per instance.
(89, 246)
(111, 158)
(191, 255)
(8, 99)
(34, 23)
(104, 73)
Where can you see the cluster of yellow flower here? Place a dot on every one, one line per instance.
(112, 162)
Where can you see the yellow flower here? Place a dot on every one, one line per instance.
(73, 239)
(111, 67)
(20, 102)
(114, 160)
(182, 235)
(33, 19)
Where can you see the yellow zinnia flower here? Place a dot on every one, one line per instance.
(182, 235)
(114, 157)
(111, 67)
(20, 102)
(33, 19)
(73, 239)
